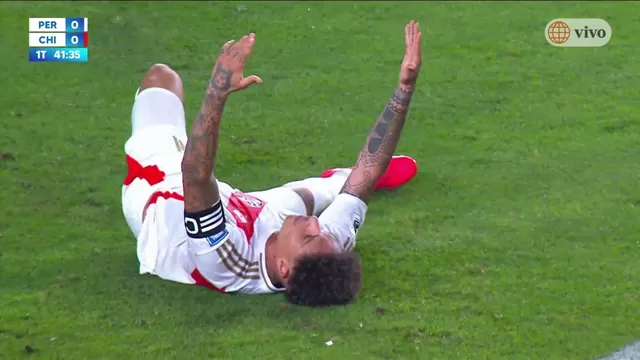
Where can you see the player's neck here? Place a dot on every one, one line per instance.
(270, 258)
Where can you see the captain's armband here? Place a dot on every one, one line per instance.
(209, 224)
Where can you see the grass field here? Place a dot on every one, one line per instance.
(517, 240)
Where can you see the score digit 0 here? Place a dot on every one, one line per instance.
(76, 39)
(74, 25)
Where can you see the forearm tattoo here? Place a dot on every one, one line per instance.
(380, 145)
(200, 188)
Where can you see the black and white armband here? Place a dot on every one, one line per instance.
(207, 224)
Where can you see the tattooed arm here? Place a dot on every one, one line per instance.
(199, 185)
(380, 145)
(383, 138)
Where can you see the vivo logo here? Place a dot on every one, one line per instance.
(578, 32)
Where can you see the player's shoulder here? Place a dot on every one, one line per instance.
(343, 219)
(345, 205)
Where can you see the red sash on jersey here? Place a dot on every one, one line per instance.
(151, 173)
(245, 209)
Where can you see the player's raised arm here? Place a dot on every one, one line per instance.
(200, 188)
(383, 138)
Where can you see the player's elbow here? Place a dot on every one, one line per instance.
(325, 280)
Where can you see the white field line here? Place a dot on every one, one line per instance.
(629, 352)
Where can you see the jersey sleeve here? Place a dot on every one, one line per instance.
(217, 247)
(343, 218)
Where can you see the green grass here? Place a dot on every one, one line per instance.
(517, 240)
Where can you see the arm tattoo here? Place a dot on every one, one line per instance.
(200, 188)
(380, 145)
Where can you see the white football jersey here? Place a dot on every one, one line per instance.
(233, 259)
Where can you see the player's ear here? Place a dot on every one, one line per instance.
(284, 270)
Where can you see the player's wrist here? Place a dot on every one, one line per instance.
(217, 93)
(407, 86)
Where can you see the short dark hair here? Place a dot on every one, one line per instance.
(325, 279)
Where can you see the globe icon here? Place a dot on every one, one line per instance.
(559, 32)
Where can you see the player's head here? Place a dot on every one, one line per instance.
(313, 269)
(325, 279)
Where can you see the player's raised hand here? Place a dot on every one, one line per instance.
(228, 74)
(413, 56)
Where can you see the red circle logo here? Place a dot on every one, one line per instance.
(558, 32)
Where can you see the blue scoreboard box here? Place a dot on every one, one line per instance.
(58, 39)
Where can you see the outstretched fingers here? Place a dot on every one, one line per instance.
(410, 36)
(251, 40)
(406, 37)
(413, 46)
(245, 46)
(247, 43)
(227, 46)
(412, 33)
(417, 52)
(409, 62)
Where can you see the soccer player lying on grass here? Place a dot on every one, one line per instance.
(297, 238)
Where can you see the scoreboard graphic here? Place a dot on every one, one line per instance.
(58, 39)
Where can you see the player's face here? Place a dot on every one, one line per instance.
(302, 235)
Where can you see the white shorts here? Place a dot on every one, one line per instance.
(157, 139)
(157, 144)
(157, 106)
